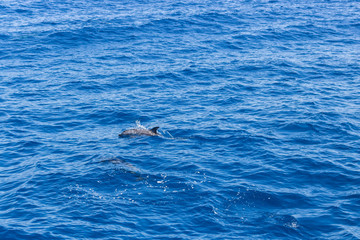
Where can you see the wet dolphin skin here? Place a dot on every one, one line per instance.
(140, 132)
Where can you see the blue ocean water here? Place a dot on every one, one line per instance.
(258, 103)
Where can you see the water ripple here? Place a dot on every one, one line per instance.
(258, 103)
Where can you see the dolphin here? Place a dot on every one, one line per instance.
(140, 132)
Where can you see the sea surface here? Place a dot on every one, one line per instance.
(258, 103)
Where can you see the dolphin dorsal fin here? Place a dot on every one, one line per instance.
(154, 130)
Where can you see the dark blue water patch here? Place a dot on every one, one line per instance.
(4, 37)
(17, 121)
(109, 116)
(24, 12)
(14, 233)
(82, 36)
(165, 25)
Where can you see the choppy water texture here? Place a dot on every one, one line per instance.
(260, 100)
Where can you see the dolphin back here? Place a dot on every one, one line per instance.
(154, 130)
(140, 132)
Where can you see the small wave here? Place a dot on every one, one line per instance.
(75, 37)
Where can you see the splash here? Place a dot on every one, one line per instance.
(166, 134)
(138, 125)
